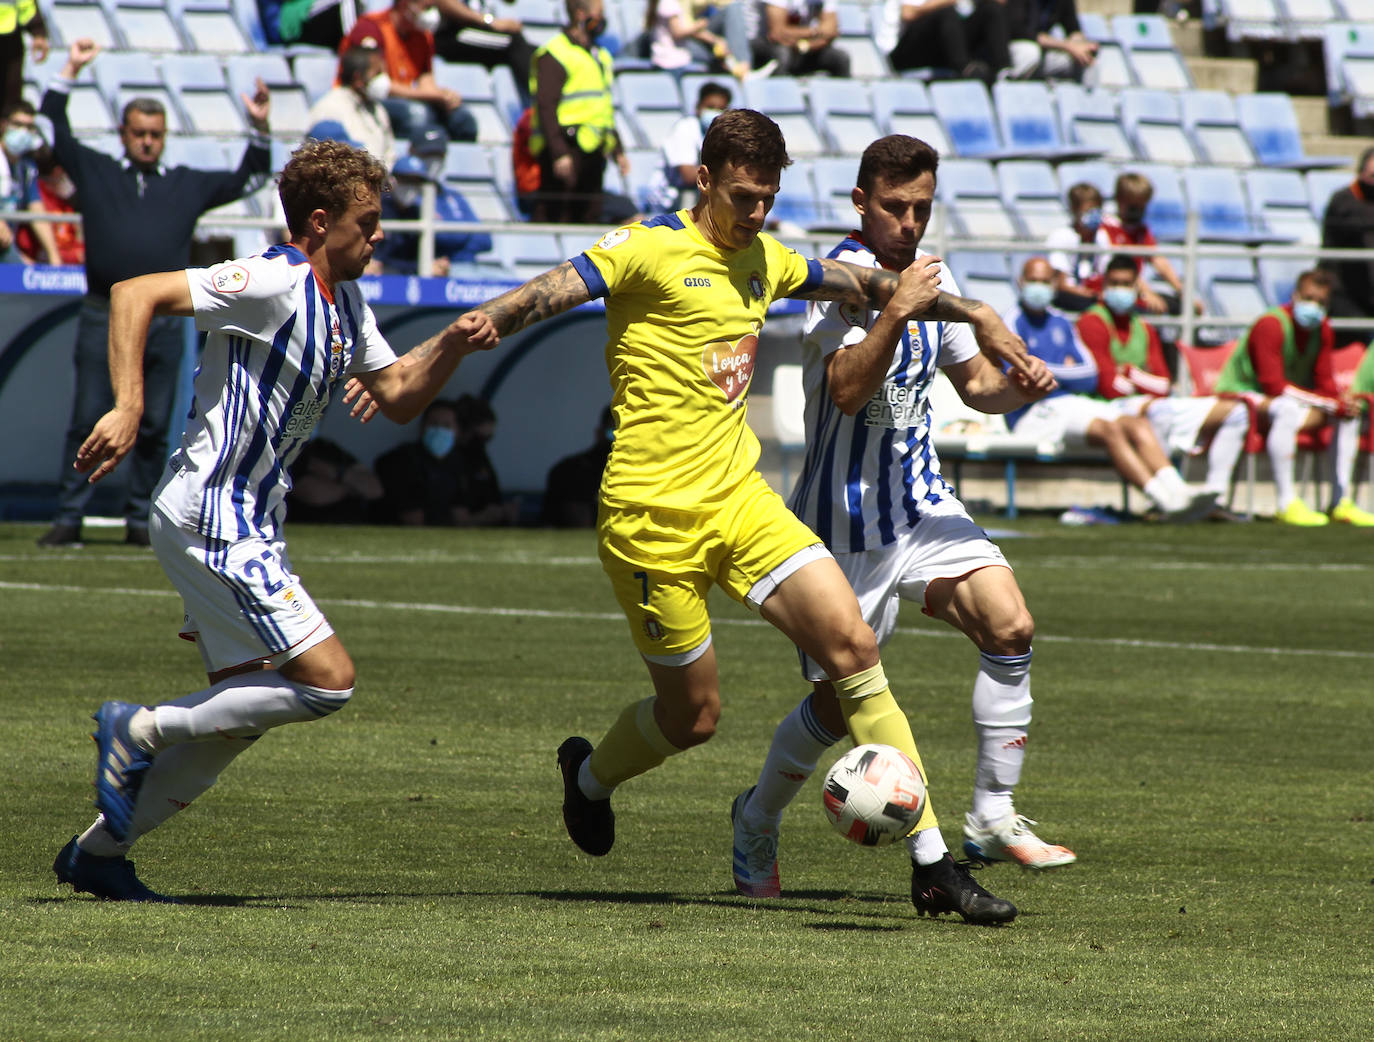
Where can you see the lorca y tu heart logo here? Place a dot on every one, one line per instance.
(731, 366)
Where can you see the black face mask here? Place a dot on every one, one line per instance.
(1366, 188)
(593, 27)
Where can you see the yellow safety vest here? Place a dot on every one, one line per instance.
(16, 13)
(586, 102)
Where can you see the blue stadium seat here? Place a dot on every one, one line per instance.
(315, 70)
(1030, 190)
(1278, 276)
(70, 20)
(652, 102)
(1217, 196)
(1271, 125)
(796, 200)
(1167, 214)
(146, 25)
(843, 110)
(474, 84)
(1308, 19)
(985, 276)
(857, 34)
(1151, 52)
(1357, 83)
(834, 177)
(1113, 71)
(1089, 117)
(528, 253)
(198, 82)
(1322, 185)
(211, 26)
(1210, 117)
(200, 151)
(903, 106)
(1230, 287)
(1094, 172)
(1249, 19)
(972, 197)
(470, 168)
(1154, 122)
(782, 98)
(1340, 40)
(965, 111)
(290, 105)
(1280, 198)
(1026, 118)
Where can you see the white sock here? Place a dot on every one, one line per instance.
(243, 706)
(1001, 714)
(927, 846)
(1167, 494)
(177, 776)
(1345, 444)
(586, 781)
(1285, 417)
(797, 745)
(98, 841)
(1227, 444)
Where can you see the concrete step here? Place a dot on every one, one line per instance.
(1335, 145)
(1314, 115)
(1188, 38)
(1234, 75)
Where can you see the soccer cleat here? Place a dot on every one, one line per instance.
(590, 823)
(1199, 505)
(61, 536)
(120, 766)
(137, 535)
(109, 877)
(1296, 512)
(948, 886)
(1011, 839)
(755, 854)
(1347, 513)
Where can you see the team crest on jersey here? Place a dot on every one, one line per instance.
(854, 314)
(336, 351)
(293, 602)
(613, 239)
(731, 366)
(756, 285)
(230, 279)
(653, 629)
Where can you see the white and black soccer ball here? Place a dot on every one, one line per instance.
(874, 794)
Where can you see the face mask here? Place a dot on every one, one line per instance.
(438, 441)
(1308, 313)
(1037, 295)
(20, 141)
(594, 27)
(379, 87)
(1120, 300)
(407, 196)
(428, 19)
(1132, 218)
(1091, 219)
(1366, 188)
(707, 117)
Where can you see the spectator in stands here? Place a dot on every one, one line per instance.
(19, 18)
(1133, 374)
(1077, 272)
(483, 502)
(138, 218)
(800, 36)
(1133, 193)
(679, 38)
(329, 485)
(56, 194)
(1348, 224)
(572, 126)
(676, 184)
(1285, 360)
(455, 253)
(966, 36)
(20, 142)
(574, 483)
(473, 33)
(422, 480)
(357, 103)
(615, 208)
(1077, 414)
(404, 33)
(324, 23)
(1046, 41)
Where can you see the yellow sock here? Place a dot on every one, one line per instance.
(633, 745)
(873, 716)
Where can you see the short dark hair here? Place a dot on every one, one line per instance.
(1314, 276)
(22, 105)
(1084, 192)
(473, 411)
(144, 107)
(1365, 157)
(355, 62)
(1121, 262)
(711, 89)
(326, 175)
(897, 157)
(746, 138)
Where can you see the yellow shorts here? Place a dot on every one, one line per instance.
(662, 563)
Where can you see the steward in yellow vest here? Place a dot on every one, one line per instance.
(17, 17)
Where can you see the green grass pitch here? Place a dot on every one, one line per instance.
(1202, 738)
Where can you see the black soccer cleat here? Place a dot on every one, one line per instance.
(948, 886)
(590, 823)
(111, 878)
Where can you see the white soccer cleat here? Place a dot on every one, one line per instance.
(755, 855)
(1011, 839)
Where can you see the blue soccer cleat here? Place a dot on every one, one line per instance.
(111, 878)
(755, 854)
(120, 767)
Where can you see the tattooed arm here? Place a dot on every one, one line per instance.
(403, 389)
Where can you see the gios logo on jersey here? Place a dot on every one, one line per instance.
(232, 278)
(731, 366)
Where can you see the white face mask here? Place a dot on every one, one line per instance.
(379, 87)
(428, 19)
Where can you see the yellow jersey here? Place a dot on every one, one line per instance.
(683, 318)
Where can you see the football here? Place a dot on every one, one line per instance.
(874, 794)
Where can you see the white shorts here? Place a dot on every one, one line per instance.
(1178, 422)
(243, 603)
(1065, 417)
(945, 544)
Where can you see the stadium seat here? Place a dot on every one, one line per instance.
(834, 177)
(972, 198)
(316, 71)
(1094, 172)
(1308, 19)
(1231, 288)
(796, 199)
(1113, 71)
(986, 276)
(643, 176)
(211, 26)
(1217, 196)
(1201, 367)
(965, 111)
(543, 19)
(857, 39)
(1271, 125)
(1167, 214)
(904, 107)
(652, 102)
(1321, 186)
(469, 166)
(1339, 40)
(198, 82)
(145, 25)
(1026, 118)
(843, 111)
(1030, 190)
(1279, 275)
(200, 151)
(1357, 83)
(1210, 117)
(1250, 19)
(1150, 51)
(1280, 198)
(290, 105)
(70, 20)
(528, 253)
(474, 84)
(89, 111)
(1154, 122)
(782, 98)
(1089, 117)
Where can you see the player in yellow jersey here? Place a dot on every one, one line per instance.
(682, 503)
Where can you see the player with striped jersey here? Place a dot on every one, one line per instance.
(871, 487)
(285, 329)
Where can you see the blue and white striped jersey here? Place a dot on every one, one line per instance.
(277, 347)
(869, 477)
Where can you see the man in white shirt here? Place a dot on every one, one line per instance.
(356, 103)
(675, 186)
(800, 36)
